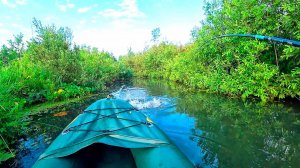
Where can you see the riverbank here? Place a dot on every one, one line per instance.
(48, 106)
(70, 107)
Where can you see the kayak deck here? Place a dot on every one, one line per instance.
(112, 133)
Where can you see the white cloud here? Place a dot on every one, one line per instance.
(83, 10)
(7, 17)
(176, 34)
(5, 31)
(66, 6)
(49, 18)
(16, 25)
(21, 2)
(116, 40)
(20, 28)
(5, 34)
(63, 8)
(128, 9)
(9, 4)
(69, 5)
(82, 22)
(12, 29)
(13, 4)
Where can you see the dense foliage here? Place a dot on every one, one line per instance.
(49, 68)
(234, 66)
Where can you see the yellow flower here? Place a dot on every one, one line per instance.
(60, 91)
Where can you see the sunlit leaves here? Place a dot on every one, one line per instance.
(234, 66)
(50, 68)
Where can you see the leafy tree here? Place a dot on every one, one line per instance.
(15, 49)
(130, 52)
(155, 34)
(194, 33)
(236, 67)
(53, 48)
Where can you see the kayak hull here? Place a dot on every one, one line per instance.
(112, 133)
(96, 155)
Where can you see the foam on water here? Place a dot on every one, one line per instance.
(139, 98)
(154, 103)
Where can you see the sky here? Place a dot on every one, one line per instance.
(110, 25)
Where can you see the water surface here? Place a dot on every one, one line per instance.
(211, 130)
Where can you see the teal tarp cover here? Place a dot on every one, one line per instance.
(116, 123)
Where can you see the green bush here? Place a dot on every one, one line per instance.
(53, 49)
(151, 63)
(51, 68)
(235, 66)
(100, 69)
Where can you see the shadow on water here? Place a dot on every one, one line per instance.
(43, 129)
(211, 130)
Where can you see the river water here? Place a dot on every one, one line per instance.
(211, 130)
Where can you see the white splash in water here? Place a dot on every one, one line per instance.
(138, 98)
(140, 104)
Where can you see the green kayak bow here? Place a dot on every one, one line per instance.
(112, 133)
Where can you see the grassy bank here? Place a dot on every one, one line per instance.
(44, 107)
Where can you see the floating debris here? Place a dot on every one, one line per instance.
(60, 114)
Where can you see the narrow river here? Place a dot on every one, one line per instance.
(211, 130)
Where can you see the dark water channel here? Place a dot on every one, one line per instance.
(211, 130)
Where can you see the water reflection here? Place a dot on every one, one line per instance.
(228, 132)
(211, 130)
(43, 129)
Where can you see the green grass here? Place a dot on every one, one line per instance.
(39, 108)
